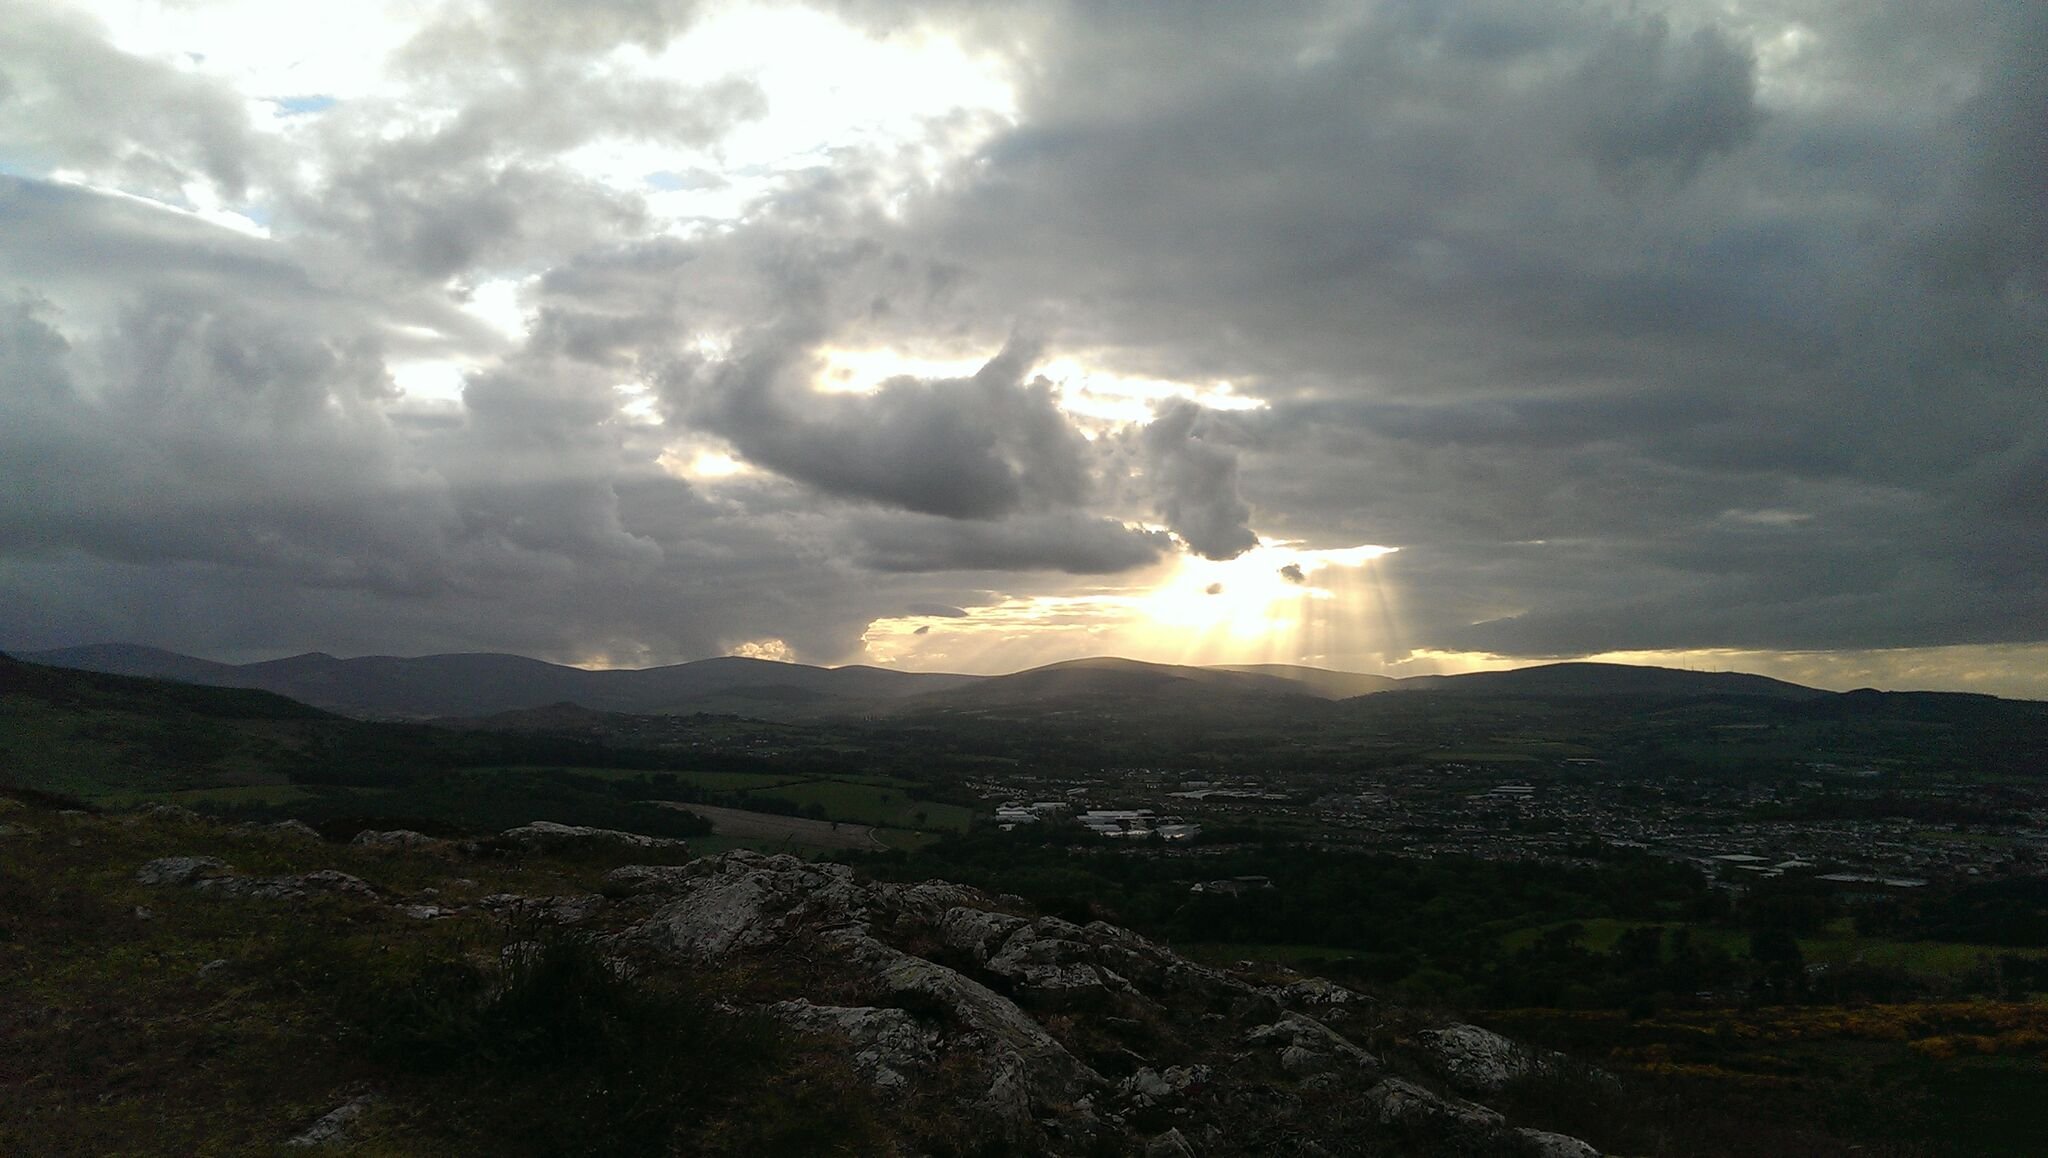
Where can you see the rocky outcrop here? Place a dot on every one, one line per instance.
(1478, 1060)
(394, 838)
(573, 909)
(178, 870)
(547, 836)
(322, 882)
(211, 875)
(1056, 1037)
(1305, 1046)
(890, 1046)
(1544, 1144)
(335, 1128)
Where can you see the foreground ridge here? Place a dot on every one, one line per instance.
(387, 991)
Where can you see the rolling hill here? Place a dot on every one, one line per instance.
(433, 686)
(479, 685)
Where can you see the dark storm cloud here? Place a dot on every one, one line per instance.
(1074, 544)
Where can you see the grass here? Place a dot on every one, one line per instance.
(1838, 944)
(122, 1040)
(885, 807)
(272, 794)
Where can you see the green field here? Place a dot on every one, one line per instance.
(881, 801)
(1838, 944)
(884, 807)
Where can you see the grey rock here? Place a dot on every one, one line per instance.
(1172, 1144)
(212, 967)
(889, 1044)
(1544, 1144)
(636, 880)
(1313, 992)
(178, 870)
(547, 836)
(394, 838)
(1396, 1101)
(334, 1127)
(1476, 1059)
(327, 882)
(570, 909)
(745, 900)
(16, 830)
(1307, 1046)
(294, 830)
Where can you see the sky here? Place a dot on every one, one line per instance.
(1405, 336)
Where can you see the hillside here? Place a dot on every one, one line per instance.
(1609, 679)
(174, 986)
(426, 687)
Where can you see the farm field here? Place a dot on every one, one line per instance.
(738, 828)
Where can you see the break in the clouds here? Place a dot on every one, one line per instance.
(635, 331)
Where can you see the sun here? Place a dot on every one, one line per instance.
(1276, 603)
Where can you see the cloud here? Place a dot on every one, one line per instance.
(1196, 483)
(1561, 299)
(1292, 572)
(1071, 544)
(70, 100)
(973, 448)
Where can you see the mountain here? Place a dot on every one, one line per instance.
(134, 660)
(1335, 685)
(1610, 679)
(1106, 683)
(484, 684)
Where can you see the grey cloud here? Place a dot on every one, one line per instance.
(1293, 574)
(1073, 544)
(1195, 483)
(943, 610)
(972, 448)
(1650, 97)
(68, 99)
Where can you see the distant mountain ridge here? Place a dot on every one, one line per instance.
(484, 684)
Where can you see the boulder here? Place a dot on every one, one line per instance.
(570, 909)
(334, 1127)
(1398, 1102)
(1476, 1059)
(293, 830)
(178, 870)
(547, 836)
(744, 900)
(1306, 1046)
(395, 838)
